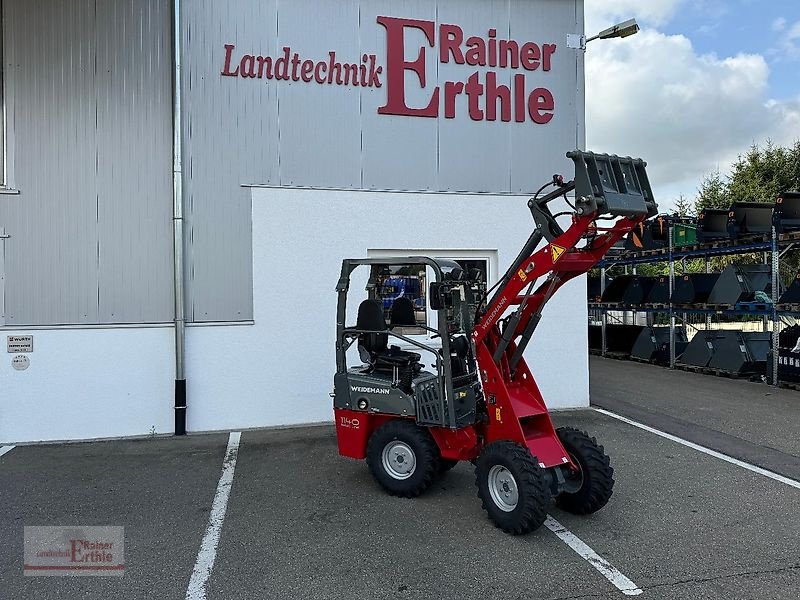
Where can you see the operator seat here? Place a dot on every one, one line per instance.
(374, 348)
(402, 313)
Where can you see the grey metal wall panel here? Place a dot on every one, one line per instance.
(473, 155)
(134, 154)
(230, 138)
(51, 258)
(89, 111)
(320, 125)
(387, 163)
(540, 149)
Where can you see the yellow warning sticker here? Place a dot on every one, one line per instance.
(556, 251)
(522, 275)
(497, 414)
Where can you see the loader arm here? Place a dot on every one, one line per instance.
(606, 187)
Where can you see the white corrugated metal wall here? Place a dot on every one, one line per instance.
(89, 113)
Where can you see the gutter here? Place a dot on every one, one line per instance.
(177, 224)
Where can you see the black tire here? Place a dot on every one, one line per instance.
(595, 483)
(445, 464)
(403, 440)
(533, 494)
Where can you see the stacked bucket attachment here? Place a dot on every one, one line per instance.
(649, 235)
(628, 290)
(659, 291)
(652, 344)
(593, 286)
(786, 213)
(749, 218)
(740, 283)
(620, 339)
(729, 351)
(615, 289)
(712, 225)
(792, 293)
(693, 288)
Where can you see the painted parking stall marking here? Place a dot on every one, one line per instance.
(605, 568)
(734, 461)
(198, 583)
(6, 449)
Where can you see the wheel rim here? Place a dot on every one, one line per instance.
(574, 479)
(399, 460)
(503, 488)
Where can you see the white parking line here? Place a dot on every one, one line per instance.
(606, 569)
(6, 449)
(699, 448)
(208, 547)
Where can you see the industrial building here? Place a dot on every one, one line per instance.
(181, 181)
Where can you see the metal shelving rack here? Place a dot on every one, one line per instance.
(773, 248)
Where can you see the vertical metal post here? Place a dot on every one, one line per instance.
(708, 315)
(671, 309)
(775, 324)
(177, 223)
(765, 316)
(3, 237)
(603, 313)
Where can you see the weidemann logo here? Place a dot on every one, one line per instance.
(369, 390)
(486, 99)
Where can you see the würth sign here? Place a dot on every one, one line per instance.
(486, 99)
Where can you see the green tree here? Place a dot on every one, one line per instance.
(713, 193)
(762, 173)
(683, 207)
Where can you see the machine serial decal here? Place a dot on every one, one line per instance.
(350, 423)
(369, 390)
(556, 251)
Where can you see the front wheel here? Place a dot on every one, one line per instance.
(588, 489)
(512, 487)
(403, 458)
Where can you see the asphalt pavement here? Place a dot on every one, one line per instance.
(302, 522)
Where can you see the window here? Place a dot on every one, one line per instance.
(411, 281)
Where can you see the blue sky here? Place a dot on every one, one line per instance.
(700, 83)
(749, 26)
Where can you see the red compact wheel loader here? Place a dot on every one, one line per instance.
(481, 403)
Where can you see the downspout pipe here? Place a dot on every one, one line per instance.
(177, 225)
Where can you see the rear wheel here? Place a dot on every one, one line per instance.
(403, 458)
(589, 489)
(512, 487)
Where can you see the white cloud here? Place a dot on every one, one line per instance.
(788, 47)
(652, 95)
(600, 14)
(779, 24)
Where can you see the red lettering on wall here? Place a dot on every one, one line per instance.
(450, 38)
(486, 99)
(451, 90)
(539, 101)
(494, 93)
(226, 70)
(396, 67)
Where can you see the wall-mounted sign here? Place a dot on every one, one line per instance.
(19, 343)
(486, 60)
(20, 362)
